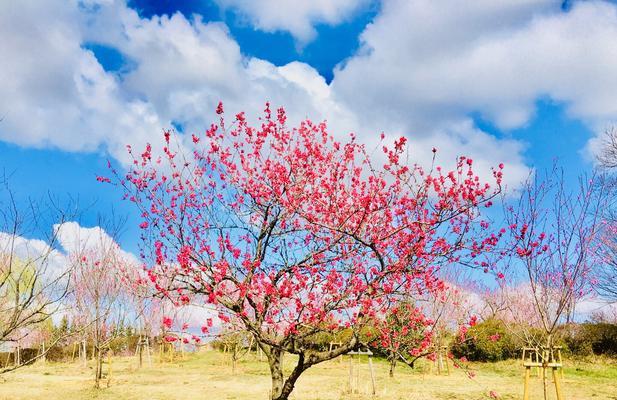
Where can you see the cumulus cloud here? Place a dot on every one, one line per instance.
(422, 69)
(432, 64)
(53, 258)
(57, 93)
(34, 252)
(295, 17)
(75, 239)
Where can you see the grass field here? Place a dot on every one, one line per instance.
(208, 376)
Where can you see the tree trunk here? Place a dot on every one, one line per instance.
(140, 349)
(84, 353)
(234, 358)
(97, 342)
(546, 355)
(275, 359)
(392, 366)
(281, 387)
(99, 368)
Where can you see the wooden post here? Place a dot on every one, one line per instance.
(358, 374)
(85, 353)
(148, 351)
(334, 345)
(350, 374)
(560, 361)
(18, 355)
(556, 380)
(526, 390)
(543, 359)
(444, 350)
(140, 351)
(109, 367)
(370, 367)
(368, 353)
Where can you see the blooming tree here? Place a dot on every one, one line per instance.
(100, 294)
(404, 334)
(237, 342)
(291, 233)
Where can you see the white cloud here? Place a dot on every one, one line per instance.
(35, 252)
(207, 65)
(432, 64)
(57, 93)
(67, 238)
(75, 239)
(295, 17)
(422, 69)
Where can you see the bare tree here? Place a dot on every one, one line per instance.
(34, 276)
(607, 157)
(100, 289)
(606, 271)
(551, 247)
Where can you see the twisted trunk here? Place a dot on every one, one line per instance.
(275, 360)
(281, 387)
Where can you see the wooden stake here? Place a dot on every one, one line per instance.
(148, 351)
(560, 361)
(73, 354)
(139, 351)
(370, 367)
(350, 374)
(557, 382)
(85, 353)
(358, 374)
(109, 367)
(526, 390)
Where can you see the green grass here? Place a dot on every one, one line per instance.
(208, 376)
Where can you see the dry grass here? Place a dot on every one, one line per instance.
(208, 376)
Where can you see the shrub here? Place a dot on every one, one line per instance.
(592, 338)
(486, 341)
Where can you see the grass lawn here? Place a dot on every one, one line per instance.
(208, 375)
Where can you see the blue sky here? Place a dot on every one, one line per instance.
(515, 82)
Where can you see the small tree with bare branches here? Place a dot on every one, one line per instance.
(34, 276)
(550, 247)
